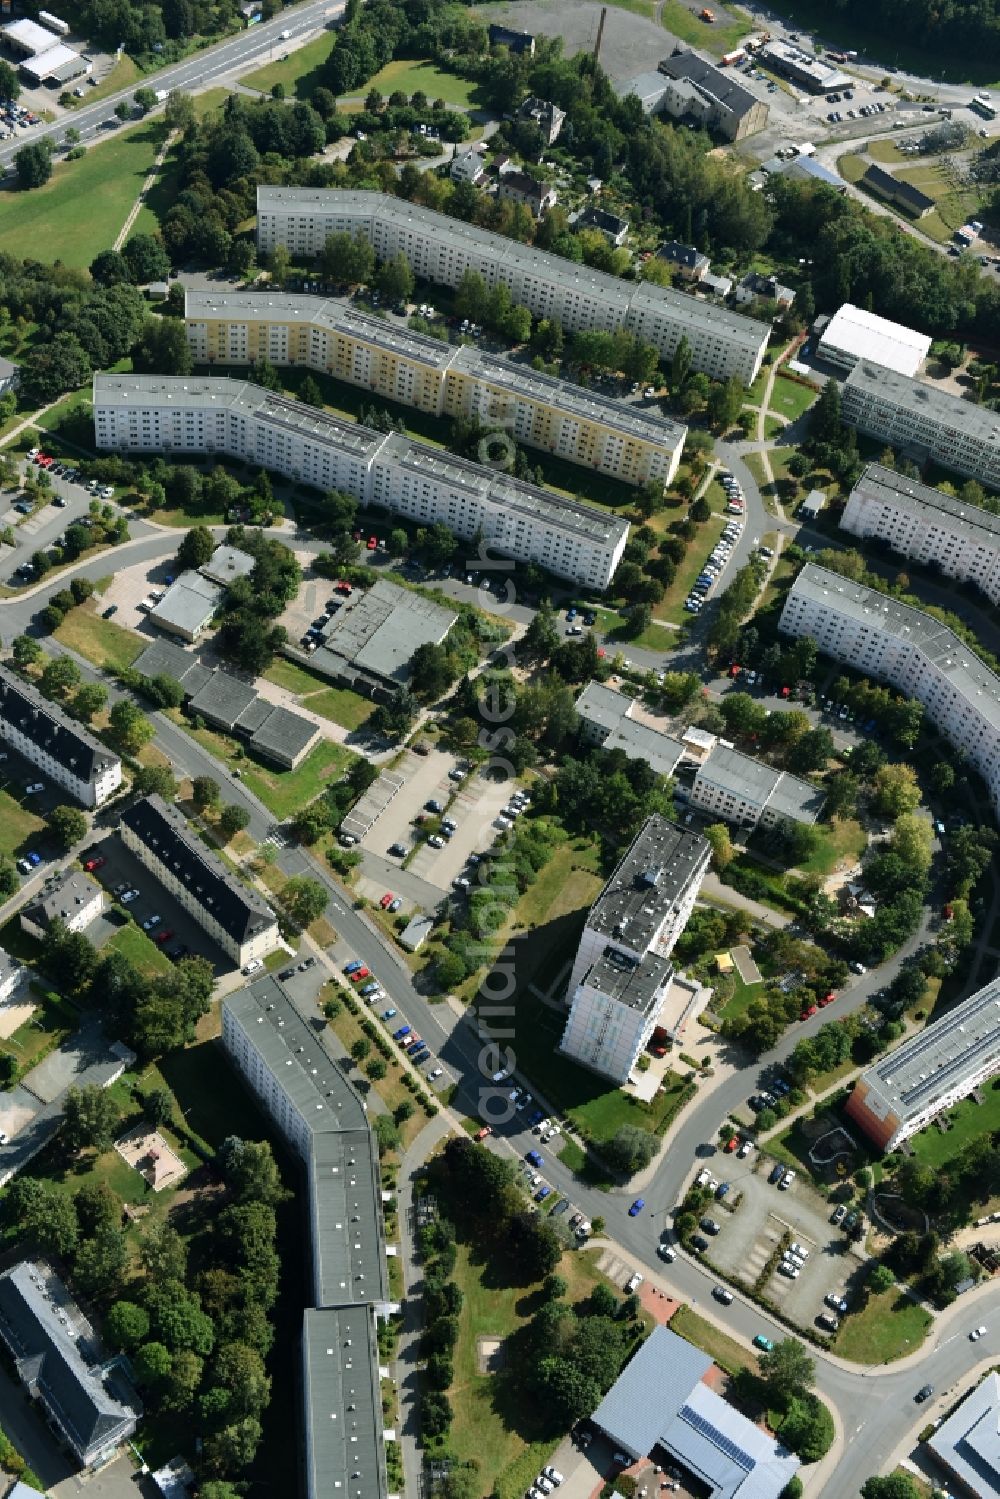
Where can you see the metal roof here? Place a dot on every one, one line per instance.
(968, 1441)
(51, 730)
(653, 875)
(29, 36)
(378, 630)
(650, 1391)
(188, 603)
(887, 486)
(863, 335)
(342, 1398)
(937, 1059)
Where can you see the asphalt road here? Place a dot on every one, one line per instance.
(250, 48)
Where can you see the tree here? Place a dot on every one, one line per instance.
(101, 1261)
(41, 1214)
(386, 1134)
(33, 164)
(432, 670)
(895, 790)
(59, 676)
(787, 1370)
(90, 1116)
(179, 1321)
(893, 1486)
(304, 899)
(807, 1428)
(126, 1325)
(158, 1106)
(70, 960)
(145, 98)
(163, 1254)
(721, 845)
(882, 1278)
(67, 825)
(152, 1365)
(310, 393)
(130, 726)
(156, 780)
(179, 112)
(206, 792)
(88, 700)
(56, 365)
(10, 86)
(233, 819)
(8, 877)
(395, 279)
(163, 348)
(26, 651)
(250, 1171)
(680, 366)
(912, 841)
(196, 548)
(110, 268)
(824, 420)
(146, 258)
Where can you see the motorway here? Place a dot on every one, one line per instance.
(249, 48)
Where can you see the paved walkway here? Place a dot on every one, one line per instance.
(725, 895)
(147, 186)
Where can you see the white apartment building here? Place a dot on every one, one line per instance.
(910, 651)
(64, 751)
(923, 422)
(441, 250)
(443, 379)
(930, 1072)
(928, 526)
(152, 413)
(750, 794)
(233, 914)
(72, 898)
(622, 970)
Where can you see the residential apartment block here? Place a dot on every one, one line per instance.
(62, 749)
(71, 897)
(233, 914)
(607, 436)
(923, 422)
(928, 526)
(312, 1103)
(622, 969)
(610, 719)
(929, 1072)
(910, 651)
(441, 250)
(152, 413)
(750, 794)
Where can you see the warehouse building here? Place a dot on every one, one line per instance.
(441, 249)
(233, 914)
(622, 970)
(923, 422)
(853, 334)
(928, 526)
(717, 98)
(55, 744)
(750, 794)
(316, 1109)
(369, 643)
(443, 379)
(151, 413)
(803, 68)
(929, 1072)
(909, 650)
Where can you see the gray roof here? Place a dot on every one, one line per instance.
(9, 967)
(937, 1059)
(640, 742)
(685, 255)
(887, 185)
(721, 85)
(968, 1442)
(47, 726)
(659, 1400)
(8, 368)
(970, 677)
(227, 563)
(378, 630)
(778, 790)
(55, 1358)
(808, 167)
(658, 868)
(649, 89)
(282, 735)
(886, 485)
(223, 699)
(342, 1398)
(165, 832)
(252, 717)
(814, 501)
(638, 985)
(62, 898)
(188, 603)
(602, 705)
(802, 64)
(164, 658)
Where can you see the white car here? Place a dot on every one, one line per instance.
(35, 786)
(554, 1475)
(152, 921)
(800, 1250)
(129, 897)
(253, 966)
(786, 1181)
(435, 1073)
(792, 1271)
(745, 1149)
(976, 1334)
(107, 493)
(633, 1283)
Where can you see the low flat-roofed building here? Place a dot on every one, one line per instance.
(281, 736)
(239, 920)
(86, 1398)
(62, 749)
(72, 897)
(660, 1406)
(925, 524)
(608, 720)
(967, 1443)
(370, 641)
(802, 67)
(27, 38)
(222, 700)
(750, 794)
(929, 1072)
(226, 564)
(853, 333)
(923, 421)
(165, 659)
(518, 42)
(417, 930)
(58, 64)
(813, 505)
(188, 606)
(807, 169)
(10, 375)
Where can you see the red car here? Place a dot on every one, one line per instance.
(809, 1011)
(360, 973)
(731, 1145)
(162, 937)
(827, 999)
(372, 543)
(482, 1133)
(93, 864)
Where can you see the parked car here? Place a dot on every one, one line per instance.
(723, 1294)
(637, 1207)
(760, 1341)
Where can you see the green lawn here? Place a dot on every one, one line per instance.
(82, 207)
(300, 74)
(725, 1351)
(731, 25)
(844, 838)
(143, 953)
(47, 1028)
(18, 825)
(742, 996)
(123, 74)
(338, 704)
(968, 1120)
(886, 151)
(434, 81)
(887, 1327)
(99, 640)
(283, 791)
(789, 398)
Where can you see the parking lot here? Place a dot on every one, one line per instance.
(43, 528)
(752, 1233)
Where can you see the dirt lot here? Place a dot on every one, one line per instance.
(751, 1234)
(630, 45)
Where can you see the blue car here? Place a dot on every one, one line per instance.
(637, 1207)
(34, 858)
(571, 614)
(533, 1157)
(388, 1014)
(420, 1055)
(536, 1117)
(542, 1193)
(404, 1030)
(353, 966)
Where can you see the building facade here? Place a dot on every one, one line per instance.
(62, 749)
(716, 97)
(233, 914)
(929, 1072)
(928, 526)
(622, 969)
(923, 422)
(441, 250)
(150, 413)
(750, 794)
(910, 651)
(439, 378)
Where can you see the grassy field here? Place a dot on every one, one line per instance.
(968, 1120)
(742, 996)
(887, 1327)
(434, 81)
(99, 640)
(143, 953)
(123, 74)
(300, 74)
(731, 25)
(726, 1352)
(886, 151)
(953, 203)
(18, 825)
(789, 398)
(844, 838)
(283, 791)
(81, 208)
(339, 704)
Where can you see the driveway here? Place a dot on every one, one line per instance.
(154, 900)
